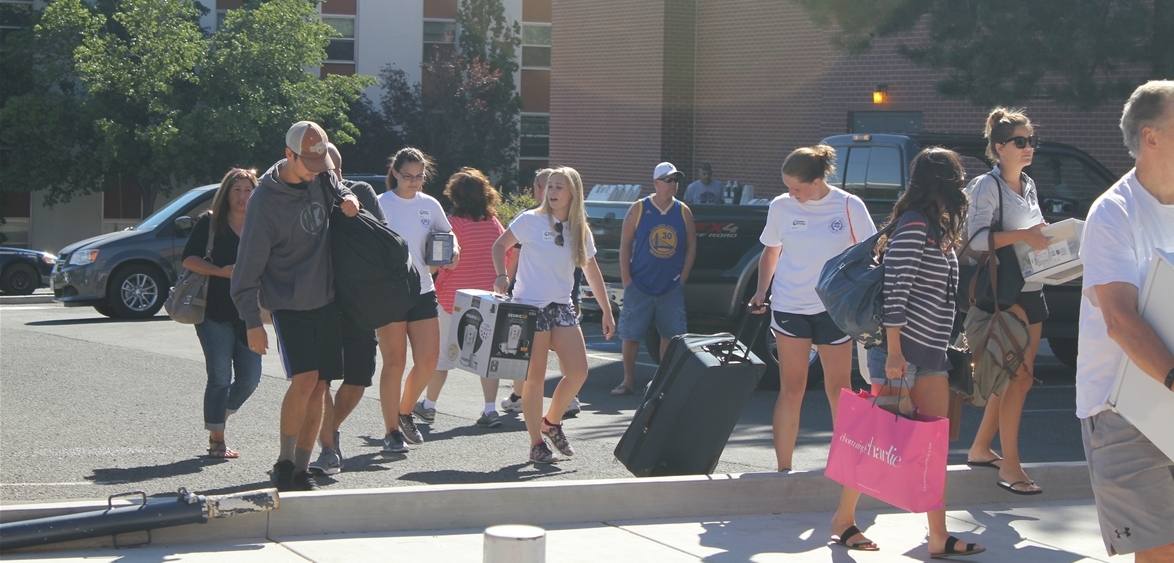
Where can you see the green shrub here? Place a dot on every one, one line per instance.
(512, 204)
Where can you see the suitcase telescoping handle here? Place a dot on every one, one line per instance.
(749, 318)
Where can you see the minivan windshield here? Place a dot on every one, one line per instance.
(157, 218)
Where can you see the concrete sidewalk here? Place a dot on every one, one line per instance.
(721, 517)
(1057, 531)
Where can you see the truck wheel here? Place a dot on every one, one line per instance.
(1064, 349)
(768, 352)
(137, 291)
(19, 279)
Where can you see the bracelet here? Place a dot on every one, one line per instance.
(502, 276)
(1170, 379)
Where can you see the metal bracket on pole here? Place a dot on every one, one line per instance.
(110, 506)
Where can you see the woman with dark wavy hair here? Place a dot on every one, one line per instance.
(222, 334)
(921, 278)
(474, 221)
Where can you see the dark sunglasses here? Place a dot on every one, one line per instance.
(672, 180)
(558, 239)
(1021, 142)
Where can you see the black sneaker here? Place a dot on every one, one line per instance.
(303, 481)
(282, 475)
(411, 434)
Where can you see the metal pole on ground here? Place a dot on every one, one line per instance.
(515, 543)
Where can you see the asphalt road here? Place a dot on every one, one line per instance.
(91, 407)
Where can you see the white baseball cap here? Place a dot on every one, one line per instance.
(664, 170)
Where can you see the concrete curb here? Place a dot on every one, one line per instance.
(443, 507)
(25, 299)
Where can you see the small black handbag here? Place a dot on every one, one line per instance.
(1006, 263)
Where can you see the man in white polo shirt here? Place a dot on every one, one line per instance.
(1132, 480)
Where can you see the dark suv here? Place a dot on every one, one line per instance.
(876, 168)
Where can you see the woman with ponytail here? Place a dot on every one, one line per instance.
(1011, 143)
(811, 224)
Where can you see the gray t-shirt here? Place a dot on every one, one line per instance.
(703, 193)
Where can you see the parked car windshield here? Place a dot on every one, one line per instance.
(157, 218)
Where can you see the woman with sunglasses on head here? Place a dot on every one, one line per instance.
(414, 215)
(1011, 144)
(222, 334)
(921, 280)
(555, 240)
(807, 226)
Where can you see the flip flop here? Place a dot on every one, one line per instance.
(988, 463)
(951, 543)
(622, 390)
(862, 545)
(1011, 487)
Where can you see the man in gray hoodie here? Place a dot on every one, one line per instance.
(283, 265)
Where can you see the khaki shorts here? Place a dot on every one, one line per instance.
(1133, 483)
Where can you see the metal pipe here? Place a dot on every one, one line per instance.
(186, 508)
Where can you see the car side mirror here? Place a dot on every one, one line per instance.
(183, 225)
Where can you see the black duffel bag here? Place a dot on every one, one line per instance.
(375, 282)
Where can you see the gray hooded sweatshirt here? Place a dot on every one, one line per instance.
(284, 253)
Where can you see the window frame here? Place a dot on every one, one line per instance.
(524, 45)
(353, 39)
(522, 135)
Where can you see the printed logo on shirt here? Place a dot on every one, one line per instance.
(837, 225)
(426, 218)
(662, 241)
(548, 236)
(313, 218)
(798, 224)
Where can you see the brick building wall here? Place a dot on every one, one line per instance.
(606, 89)
(766, 81)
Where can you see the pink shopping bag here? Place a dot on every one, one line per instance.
(899, 460)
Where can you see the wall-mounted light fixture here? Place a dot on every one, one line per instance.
(881, 94)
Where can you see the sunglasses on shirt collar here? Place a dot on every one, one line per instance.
(558, 228)
(1022, 142)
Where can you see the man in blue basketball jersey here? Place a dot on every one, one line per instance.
(657, 247)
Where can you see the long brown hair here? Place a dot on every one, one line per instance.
(936, 179)
(1000, 124)
(406, 155)
(472, 196)
(219, 209)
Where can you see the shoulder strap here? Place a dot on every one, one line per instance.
(211, 237)
(849, 213)
(999, 187)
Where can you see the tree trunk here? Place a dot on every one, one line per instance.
(148, 193)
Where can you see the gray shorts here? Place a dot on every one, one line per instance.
(1133, 483)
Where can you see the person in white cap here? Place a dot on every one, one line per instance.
(658, 244)
(283, 265)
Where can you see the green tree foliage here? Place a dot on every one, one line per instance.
(137, 91)
(1077, 52)
(464, 111)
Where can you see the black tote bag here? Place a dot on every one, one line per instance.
(975, 283)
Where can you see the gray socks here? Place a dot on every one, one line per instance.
(302, 459)
(288, 445)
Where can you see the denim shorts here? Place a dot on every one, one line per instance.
(877, 356)
(641, 309)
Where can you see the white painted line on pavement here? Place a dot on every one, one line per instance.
(612, 359)
(63, 484)
(26, 307)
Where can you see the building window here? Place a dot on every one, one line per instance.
(341, 49)
(440, 37)
(14, 15)
(535, 141)
(536, 46)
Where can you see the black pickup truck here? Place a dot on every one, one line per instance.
(875, 168)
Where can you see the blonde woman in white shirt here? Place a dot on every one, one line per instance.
(555, 240)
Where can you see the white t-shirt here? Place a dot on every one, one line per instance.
(811, 234)
(1124, 227)
(545, 270)
(1019, 211)
(414, 219)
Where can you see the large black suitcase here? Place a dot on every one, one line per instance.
(690, 408)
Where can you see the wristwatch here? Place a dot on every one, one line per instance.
(1170, 380)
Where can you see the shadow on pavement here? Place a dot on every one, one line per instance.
(116, 475)
(95, 320)
(511, 473)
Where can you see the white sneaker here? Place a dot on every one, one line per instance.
(573, 409)
(511, 406)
